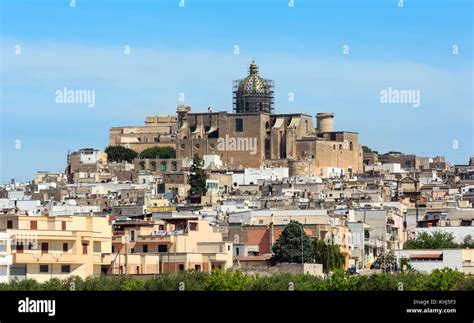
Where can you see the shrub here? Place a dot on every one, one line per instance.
(133, 284)
(227, 280)
(443, 279)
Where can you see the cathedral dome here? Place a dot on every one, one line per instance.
(253, 93)
(253, 83)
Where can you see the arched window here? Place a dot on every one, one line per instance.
(153, 166)
(142, 165)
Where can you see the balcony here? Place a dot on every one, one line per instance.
(32, 257)
(29, 257)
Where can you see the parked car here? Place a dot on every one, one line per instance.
(352, 270)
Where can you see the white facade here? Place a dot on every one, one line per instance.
(5, 257)
(251, 176)
(212, 187)
(89, 156)
(427, 260)
(391, 168)
(212, 159)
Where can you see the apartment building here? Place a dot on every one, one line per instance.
(44, 247)
(168, 245)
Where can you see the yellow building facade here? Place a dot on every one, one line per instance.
(45, 247)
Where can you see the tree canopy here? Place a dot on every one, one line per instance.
(197, 178)
(158, 152)
(290, 246)
(366, 149)
(120, 153)
(328, 255)
(436, 240)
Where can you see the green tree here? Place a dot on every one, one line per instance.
(158, 152)
(197, 178)
(386, 261)
(405, 262)
(119, 154)
(443, 279)
(292, 242)
(436, 240)
(467, 242)
(328, 255)
(366, 149)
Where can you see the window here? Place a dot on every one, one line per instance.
(153, 166)
(197, 267)
(351, 147)
(142, 165)
(132, 235)
(44, 247)
(239, 125)
(145, 248)
(63, 225)
(163, 167)
(162, 248)
(174, 166)
(66, 268)
(33, 225)
(97, 246)
(237, 251)
(44, 268)
(113, 249)
(181, 267)
(9, 224)
(84, 248)
(193, 226)
(228, 248)
(132, 250)
(65, 247)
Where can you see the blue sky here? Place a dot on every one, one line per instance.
(190, 49)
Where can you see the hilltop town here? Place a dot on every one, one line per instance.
(218, 190)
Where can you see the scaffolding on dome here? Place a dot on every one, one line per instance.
(253, 102)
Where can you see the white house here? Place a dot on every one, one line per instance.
(427, 260)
